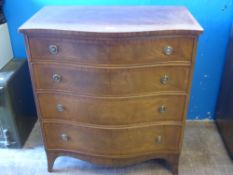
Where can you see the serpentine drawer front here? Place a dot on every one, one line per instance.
(111, 81)
(108, 141)
(112, 51)
(112, 84)
(111, 111)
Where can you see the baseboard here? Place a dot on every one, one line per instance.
(198, 122)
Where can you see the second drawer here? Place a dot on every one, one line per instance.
(111, 111)
(111, 81)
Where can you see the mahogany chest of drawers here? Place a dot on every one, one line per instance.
(112, 84)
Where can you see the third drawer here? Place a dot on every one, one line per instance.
(111, 111)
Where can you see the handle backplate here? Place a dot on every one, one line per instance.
(65, 137)
(164, 79)
(60, 108)
(53, 49)
(168, 50)
(162, 109)
(56, 78)
(158, 139)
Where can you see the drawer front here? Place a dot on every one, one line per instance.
(113, 111)
(109, 141)
(115, 51)
(99, 81)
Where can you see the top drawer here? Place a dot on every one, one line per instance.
(118, 51)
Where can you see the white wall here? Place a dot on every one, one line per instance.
(5, 45)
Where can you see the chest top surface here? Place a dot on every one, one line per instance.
(128, 20)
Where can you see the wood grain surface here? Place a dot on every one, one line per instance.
(113, 20)
(113, 75)
(112, 111)
(111, 82)
(121, 51)
(112, 141)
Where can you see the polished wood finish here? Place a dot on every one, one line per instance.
(172, 158)
(112, 111)
(113, 21)
(121, 51)
(112, 141)
(112, 84)
(111, 81)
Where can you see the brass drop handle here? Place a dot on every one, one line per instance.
(162, 109)
(168, 50)
(65, 137)
(60, 108)
(164, 79)
(53, 49)
(158, 139)
(56, 78)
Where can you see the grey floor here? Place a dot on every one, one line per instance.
(203, 154)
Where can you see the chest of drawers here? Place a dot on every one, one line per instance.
(112, 84)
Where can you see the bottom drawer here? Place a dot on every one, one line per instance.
(112, 140)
